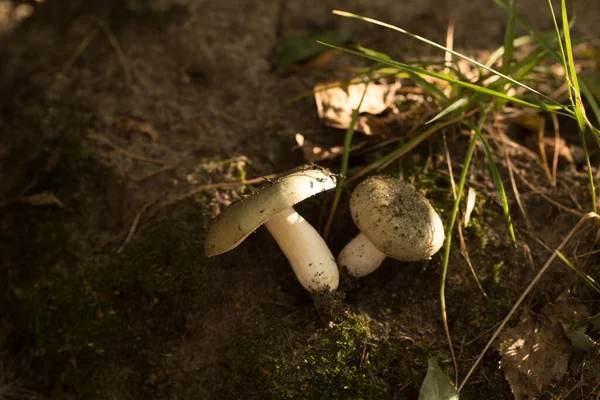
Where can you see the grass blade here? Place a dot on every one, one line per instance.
(448, 242)
(509, 36)
(408, 146)
(458, 104)
(345, 157)
(572, 73)
(587, 279)
(439, 46)
(587, 217)
(444, 77)
(496, 178)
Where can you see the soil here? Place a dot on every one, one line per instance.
(121, 109)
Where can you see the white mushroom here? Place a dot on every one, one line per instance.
(395, 221)
(305, 249)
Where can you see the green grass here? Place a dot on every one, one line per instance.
(470, 103)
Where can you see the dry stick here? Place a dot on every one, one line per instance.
(542, 148)
(117, 48)
(578, 272)
(102, 139)
(134, 225)
(511, 173)
(78, 52)
(196, 190)
(556, 146)
(157, 171)
(524, 150)
(584, 219)
(545, 197)
(449, 163)
(465, 254)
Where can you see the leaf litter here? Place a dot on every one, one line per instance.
(336, 103)
(536, 352)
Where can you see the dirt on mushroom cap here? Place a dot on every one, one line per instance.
(397, 219)
(240, 219)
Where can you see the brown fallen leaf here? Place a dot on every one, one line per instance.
(42, 199)
(536, 351)
(134, 125)
(335, 105)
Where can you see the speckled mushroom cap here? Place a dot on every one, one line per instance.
(397, 219)
(240, 219)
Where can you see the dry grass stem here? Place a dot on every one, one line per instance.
(106, 141)
(587, 217)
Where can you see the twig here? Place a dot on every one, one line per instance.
(547, 198)
(587, 278)
(78, 52)
(584, 219)
(448, 244)
(157, 171)
(463, 246)
(542, 148)
(102, 139)
(556, 126)
(134, 225)
(449, 163)
(510, 167)
(465, 254)
(117, 48)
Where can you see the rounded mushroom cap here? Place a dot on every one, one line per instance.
(240, 219)
(397, 219)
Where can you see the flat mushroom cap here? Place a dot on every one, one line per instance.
(397, 219)
(240, 219)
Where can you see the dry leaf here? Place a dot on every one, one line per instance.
(42, 199)
(133, 125)
(335, 105)
(536, 351)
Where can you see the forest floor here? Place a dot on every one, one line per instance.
(115, 114)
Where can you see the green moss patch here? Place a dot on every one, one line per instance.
(341, 361)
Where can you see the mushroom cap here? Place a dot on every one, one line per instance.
(240, 219)
(397, 219)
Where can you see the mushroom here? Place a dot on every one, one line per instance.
(395, 221)
(305, 249)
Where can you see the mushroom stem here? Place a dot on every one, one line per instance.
(305, 249)
(360, 257)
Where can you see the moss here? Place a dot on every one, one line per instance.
(89, 327)
(118, 314)
(342, 361)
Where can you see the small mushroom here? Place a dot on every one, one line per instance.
(395, 221)
(305, 249)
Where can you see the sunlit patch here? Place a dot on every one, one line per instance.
(11, 15)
